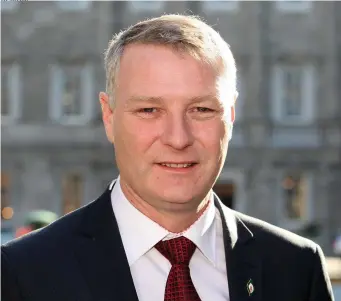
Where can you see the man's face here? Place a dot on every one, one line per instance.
(168, 127)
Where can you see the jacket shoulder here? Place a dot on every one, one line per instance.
(265, 232)
(59, 232)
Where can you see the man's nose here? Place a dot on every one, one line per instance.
(177, 132)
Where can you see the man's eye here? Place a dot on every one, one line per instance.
(147, 110)
(203, 110)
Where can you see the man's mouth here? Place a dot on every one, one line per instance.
(177, 165)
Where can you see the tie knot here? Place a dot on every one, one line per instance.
(177, 251)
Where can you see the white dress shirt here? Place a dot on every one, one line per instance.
(150, 269)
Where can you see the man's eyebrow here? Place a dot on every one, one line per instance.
(203, 98)
(158, 99)
(149, 99)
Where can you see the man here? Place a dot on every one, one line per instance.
(159, 232)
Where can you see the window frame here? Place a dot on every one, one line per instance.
(237, 178)
(14, 86)
(65, 181)
(285, 221)
(308, 95)
(57, 74)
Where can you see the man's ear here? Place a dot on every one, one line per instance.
(232, 116)
(233, 108)
(107, 116)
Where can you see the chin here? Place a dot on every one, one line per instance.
(179, 196)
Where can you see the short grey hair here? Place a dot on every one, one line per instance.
(186, 34)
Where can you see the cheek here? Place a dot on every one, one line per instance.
(137, 136)
(212, 135)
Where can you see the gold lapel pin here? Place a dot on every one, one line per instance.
(250, 287)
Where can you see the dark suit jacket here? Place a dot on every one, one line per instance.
(81, 257)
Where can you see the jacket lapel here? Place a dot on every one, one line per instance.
(101, 254)
(243, 263)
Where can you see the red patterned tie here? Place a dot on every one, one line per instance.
(179, 286)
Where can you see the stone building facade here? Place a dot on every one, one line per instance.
(284, 161)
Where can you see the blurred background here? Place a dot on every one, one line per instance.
(284, 161)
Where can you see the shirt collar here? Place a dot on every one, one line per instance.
(203, 232)
(134, 228)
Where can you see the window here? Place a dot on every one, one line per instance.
(6, 209)
(220, 5)
(72, 186)
(10, 92)
(73, 5)
(230, 188)
(71, 93)
(296, 199)
(293, 6)
(293, 94)
(226, 193)
(294, 194)
(8, 5)
(140, 5)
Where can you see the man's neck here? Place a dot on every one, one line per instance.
(175, 221)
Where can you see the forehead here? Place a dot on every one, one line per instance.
(155, 52)
(159, 70)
